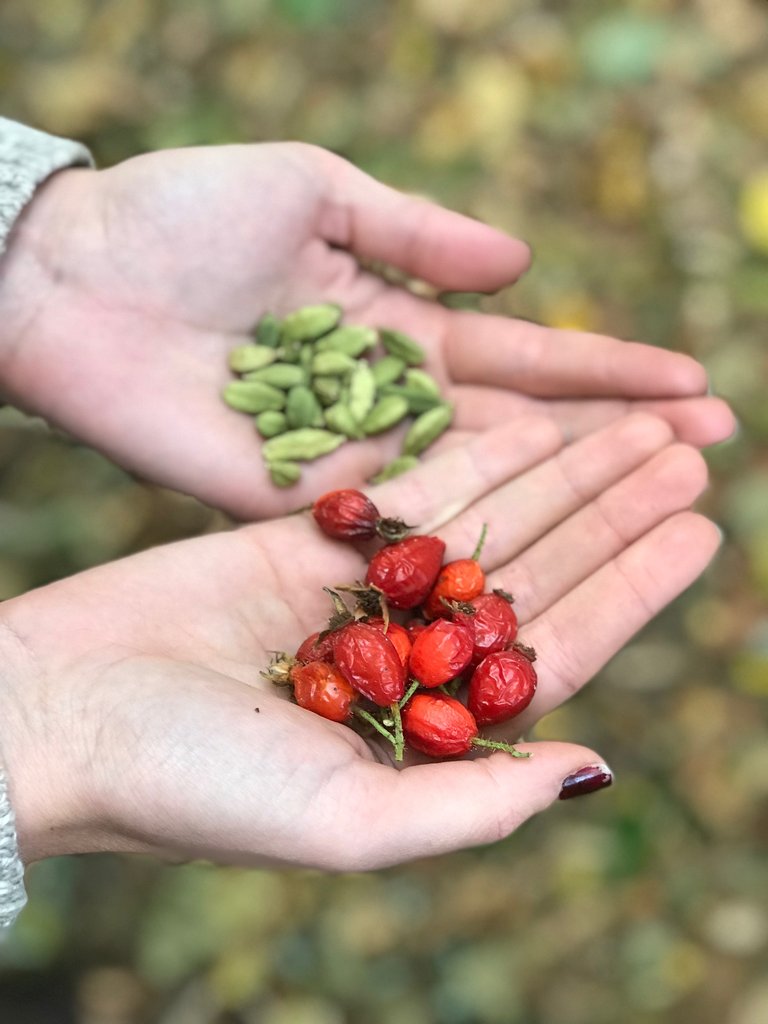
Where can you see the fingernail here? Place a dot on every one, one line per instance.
(586, 780)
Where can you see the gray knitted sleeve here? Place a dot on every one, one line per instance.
(27, 158)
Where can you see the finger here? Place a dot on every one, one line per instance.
(431, 809)
(443, 486)
(699, 421)
(668, 483)
(483, 349)
(577, 635)
(527, 507)
(376, 222)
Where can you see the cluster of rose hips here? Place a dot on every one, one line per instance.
(402, 678)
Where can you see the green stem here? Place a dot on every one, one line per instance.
(394, 707)
(367, 717)
(478, 741)
(409, 692)
(481, 541)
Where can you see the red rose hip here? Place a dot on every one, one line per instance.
(441, 652)
(346, 515)
(494, 624)
(397, 636)
(320, 687)
(437, 725)
(502, 686)
(458, 581)
(406, 572)
(369, 662)
(315, 649)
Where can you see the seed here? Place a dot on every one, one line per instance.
(271, 423)
(388, 411)
(340, 419)
(327, 389)
(302, 408)
(418, 401)
(352, 340)
(420, 380)
(251, 357)
(362, 391)
(310, 322)
(399, 344)
(427, 428)
(279, 375)
(332, 364)
(252, 396)
(284, 474)
(267, 331)
(305, 444)
(387, 370)
(394, 468)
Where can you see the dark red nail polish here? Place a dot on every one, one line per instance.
(586, 780)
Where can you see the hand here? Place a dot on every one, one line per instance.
(135, 717)
(123, 291)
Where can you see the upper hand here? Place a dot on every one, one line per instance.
(123, 290)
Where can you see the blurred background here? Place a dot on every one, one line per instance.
(628, 143)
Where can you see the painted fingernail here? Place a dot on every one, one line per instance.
(586, 780)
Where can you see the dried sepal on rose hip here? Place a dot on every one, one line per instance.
(441, 652)
(441, 726)
(348, 514)
(406, 572)
(502, 685)
(321, 688)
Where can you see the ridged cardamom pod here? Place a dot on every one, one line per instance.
(420, 380)
(387, 370)
(310, 322)
(271, 423)
(302, 445)
(251, 357)
(284, 474)
(252, 396)
(352, 340)
(388, 411)
(394, 468)
(426, 429)
(362, 391)
(332, 364)
(418, 401)
(340, 419)
(279, 375)
(327, 389)
(302, 408)
(399, 344)
(267, 331)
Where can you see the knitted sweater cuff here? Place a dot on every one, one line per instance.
(27, 158)
(12, 894)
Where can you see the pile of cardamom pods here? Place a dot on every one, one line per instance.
(312, 384)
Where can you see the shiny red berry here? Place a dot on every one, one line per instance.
(406, 572)
(437, 725)
(369, 662)
(502, 686)
(441, 652)
(321, 688)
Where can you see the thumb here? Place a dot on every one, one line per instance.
(436, 808)
(423, 239)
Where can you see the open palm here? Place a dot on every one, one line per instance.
(126, 288)
(136, 717)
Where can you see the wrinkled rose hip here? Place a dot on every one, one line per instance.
(502, 686)
(397, 636)
(494, 624)
(321, 688)
(437, 725)
(406, 572)
(369, 662)
(316, 649)
(458, 581)
(441, 652)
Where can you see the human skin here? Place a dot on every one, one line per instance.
(135, 717)
(122, 291)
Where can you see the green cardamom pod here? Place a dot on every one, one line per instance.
(362, 391)
(339, 418)
(284, 474)
(303, 445)
(352, 340)
(388, 411)
(302, 408)
(252, 396)
(251, 357)
(399, 344)
(271, 423)
(394, 468)
(306, 355)
(426, 429)
(387, 370)
(420, 380)
(279, 375)
(267, 331)
(418, 401)
(327, 389)
(332, 364)
(310, 322)
(290, 352)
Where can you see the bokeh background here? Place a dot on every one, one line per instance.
(628, 142)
